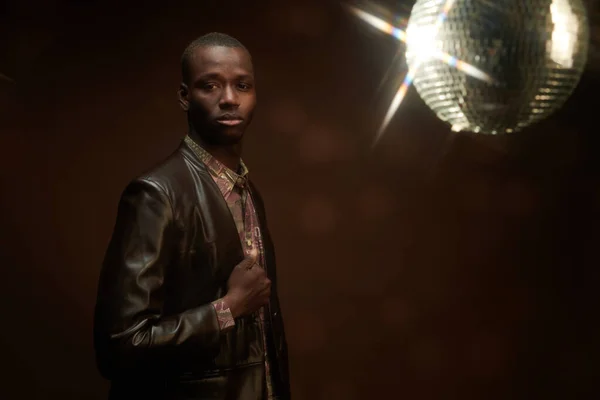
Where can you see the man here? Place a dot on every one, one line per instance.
(187, 303)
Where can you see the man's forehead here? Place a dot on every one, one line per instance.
(220, 57)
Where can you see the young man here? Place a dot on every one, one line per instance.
(187, 304)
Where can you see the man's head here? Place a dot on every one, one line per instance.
(217, 88)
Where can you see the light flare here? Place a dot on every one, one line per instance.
(426, 49)
(463, 66)
(379, 23)
(427, 44)
(394, 105)
(412, 71)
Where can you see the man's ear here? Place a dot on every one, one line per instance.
(183, 94)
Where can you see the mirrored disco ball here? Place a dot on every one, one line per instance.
(534, 50)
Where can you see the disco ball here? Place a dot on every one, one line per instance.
(534, 51)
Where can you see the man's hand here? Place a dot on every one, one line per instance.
(249, 289)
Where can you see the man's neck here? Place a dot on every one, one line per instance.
(229, 156)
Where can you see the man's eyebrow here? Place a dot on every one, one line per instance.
(216, 75)
(210, 75)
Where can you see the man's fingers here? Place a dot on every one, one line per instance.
(253, 252)
(247, 262)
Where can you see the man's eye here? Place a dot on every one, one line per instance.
(209, 86)
(244, 86)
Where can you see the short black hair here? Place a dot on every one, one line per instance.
(211, 39)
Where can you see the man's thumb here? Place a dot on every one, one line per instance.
(249, 260)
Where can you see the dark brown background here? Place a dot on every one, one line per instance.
(438, 266)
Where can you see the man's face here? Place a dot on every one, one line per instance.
(219, 95)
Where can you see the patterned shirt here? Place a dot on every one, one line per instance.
(234, 188)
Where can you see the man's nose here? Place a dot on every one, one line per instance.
(229, 98)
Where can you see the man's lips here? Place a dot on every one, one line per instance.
(230, 122)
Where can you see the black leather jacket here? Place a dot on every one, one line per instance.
(155, 331)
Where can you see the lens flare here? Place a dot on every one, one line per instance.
(426, 48)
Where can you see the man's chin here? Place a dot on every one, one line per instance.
(230, 140)
(225, 137)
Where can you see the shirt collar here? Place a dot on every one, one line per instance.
(226, 177)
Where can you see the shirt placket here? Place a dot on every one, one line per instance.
(253, 238)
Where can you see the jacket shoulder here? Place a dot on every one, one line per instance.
(171, 176)
(166, 172)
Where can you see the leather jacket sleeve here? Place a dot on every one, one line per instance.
(131, 332)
